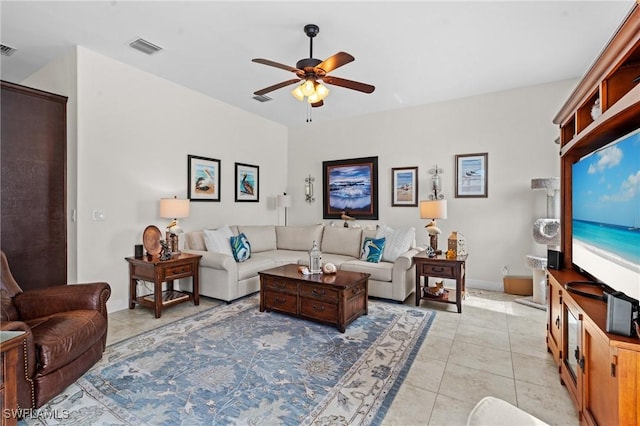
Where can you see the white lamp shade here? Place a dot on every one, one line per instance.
(433, 209)
(283, 200)
(174, 208)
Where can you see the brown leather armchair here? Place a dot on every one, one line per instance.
(66, 328)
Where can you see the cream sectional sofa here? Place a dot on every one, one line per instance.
(221, 277)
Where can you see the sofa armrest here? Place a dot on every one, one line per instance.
(405, 260)
(216, 261)
(62, 298)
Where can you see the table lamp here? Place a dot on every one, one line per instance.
(173, 208)
(433, 209)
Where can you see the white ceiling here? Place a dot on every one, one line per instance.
(414, 52)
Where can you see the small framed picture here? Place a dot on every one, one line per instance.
(204, 178)
(471, 175)
(247, 183)
(404, 187)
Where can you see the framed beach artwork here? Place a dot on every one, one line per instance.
(404, 187)
(204, 178)
(350, 187)
(471, 176)
(247, 183)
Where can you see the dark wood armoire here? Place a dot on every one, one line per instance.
(33, 226)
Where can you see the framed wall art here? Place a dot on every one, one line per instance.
(404, 187)
(204, 178)
(247, 183)
(350, 187)
(471, 175)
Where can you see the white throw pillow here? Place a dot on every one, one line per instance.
(397, 241)
(218, 240)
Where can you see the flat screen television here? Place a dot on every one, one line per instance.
(605, 188)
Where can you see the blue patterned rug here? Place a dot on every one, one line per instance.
(234, 365)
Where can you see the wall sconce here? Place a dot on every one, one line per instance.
(173, 208)
(308, 189)
(436, 184)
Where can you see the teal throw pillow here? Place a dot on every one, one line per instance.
(372, 249)
(240, 247)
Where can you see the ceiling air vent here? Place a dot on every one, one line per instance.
(6, 50)
(145, 46)
(262, 98)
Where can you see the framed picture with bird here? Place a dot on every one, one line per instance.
(204, 178)
(247, 183)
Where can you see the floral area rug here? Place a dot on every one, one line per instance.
(234, 365)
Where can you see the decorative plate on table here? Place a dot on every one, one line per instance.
(151, 240)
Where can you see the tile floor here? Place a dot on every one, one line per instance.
(495, 347)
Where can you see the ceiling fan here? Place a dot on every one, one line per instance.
(310, 70)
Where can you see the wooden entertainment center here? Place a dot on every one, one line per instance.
(600, 370)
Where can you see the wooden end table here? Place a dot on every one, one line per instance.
(151, 268)
(11, 344)
(440, 267)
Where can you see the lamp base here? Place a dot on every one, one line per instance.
(172, 243)
(433, 242)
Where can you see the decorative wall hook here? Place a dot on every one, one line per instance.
(436, 184)
(308, 189)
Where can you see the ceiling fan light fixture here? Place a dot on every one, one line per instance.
(321, 91)
(308, 87)
(297, 93)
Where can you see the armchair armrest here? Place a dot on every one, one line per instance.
(47, 301)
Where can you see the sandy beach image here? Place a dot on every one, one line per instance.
(601, 263)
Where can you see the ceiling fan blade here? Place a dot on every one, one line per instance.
(317, 104)
(335, 61)
(349, 84)
(277, 65)
(276, 86)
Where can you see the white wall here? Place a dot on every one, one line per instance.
(134, 132)
(514, 127)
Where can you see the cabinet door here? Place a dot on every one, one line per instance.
(628, 384)
(599, 386)
(554, 321)
(572, 355)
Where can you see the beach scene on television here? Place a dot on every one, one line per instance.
(606, 213)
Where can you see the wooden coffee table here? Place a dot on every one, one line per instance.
(336, 299)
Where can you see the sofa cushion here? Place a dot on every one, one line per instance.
(218, 240)
(336, 259)
(284, 257)
(252, 266)
(240, 247)
(61, 338)
(382, 271)
(345, 241)
(372, 249)
(261, 237)
(398, 241)
(194, 240)
(298, 237)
